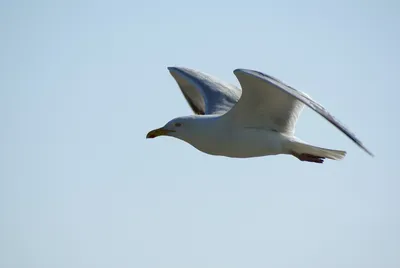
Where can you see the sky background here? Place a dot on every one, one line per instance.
(82, 82)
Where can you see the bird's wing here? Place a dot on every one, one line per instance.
(205, 93)
(268, 102)
(265, 104)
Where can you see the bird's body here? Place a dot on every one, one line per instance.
(216, 135)
(258, 120)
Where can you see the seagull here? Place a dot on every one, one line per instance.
(257, 120)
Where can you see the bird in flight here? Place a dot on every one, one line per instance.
(257, 120)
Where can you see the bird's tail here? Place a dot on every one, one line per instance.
(309, 153)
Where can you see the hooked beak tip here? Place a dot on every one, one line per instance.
(150, 136)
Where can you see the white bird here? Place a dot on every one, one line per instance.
(257, 120)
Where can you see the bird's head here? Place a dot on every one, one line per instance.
(181, 128)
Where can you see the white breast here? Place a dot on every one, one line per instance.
(241, 143)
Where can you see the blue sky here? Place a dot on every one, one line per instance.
(82, 82)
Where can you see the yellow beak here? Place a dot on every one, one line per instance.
(158, 132)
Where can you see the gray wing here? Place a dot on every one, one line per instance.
(204, 93)
(265, 98)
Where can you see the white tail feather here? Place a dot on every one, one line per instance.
(302, 148)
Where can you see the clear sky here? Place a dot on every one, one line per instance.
(82, 82)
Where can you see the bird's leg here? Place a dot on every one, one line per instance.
(309, 158)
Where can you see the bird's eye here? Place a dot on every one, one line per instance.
(178, 124)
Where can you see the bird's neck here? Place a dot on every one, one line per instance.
(206, 134)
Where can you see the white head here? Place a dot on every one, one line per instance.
(184, 128)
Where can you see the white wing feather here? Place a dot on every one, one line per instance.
(265, 105)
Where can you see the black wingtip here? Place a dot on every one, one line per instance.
(369, 152)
